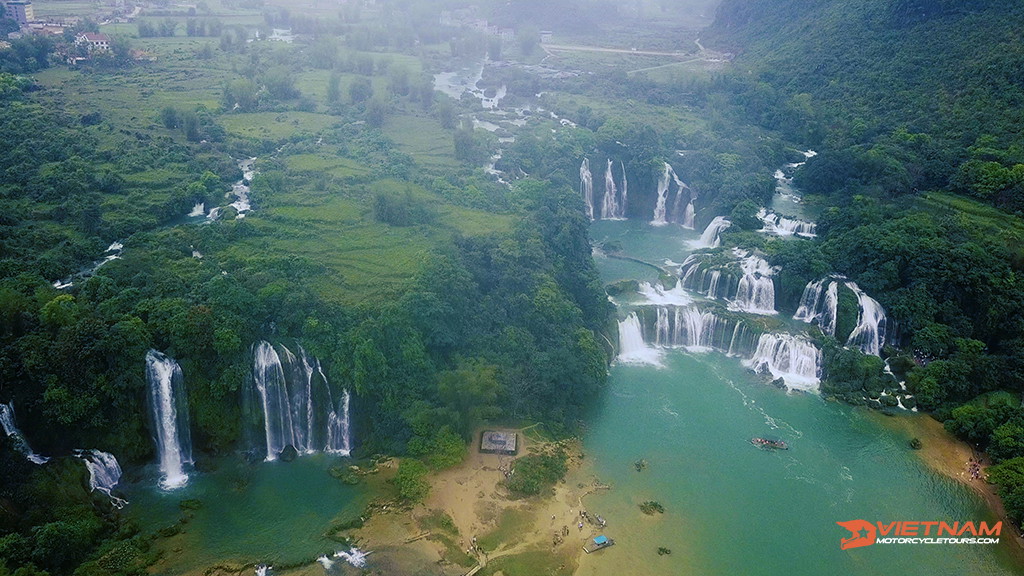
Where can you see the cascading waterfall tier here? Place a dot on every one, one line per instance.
(296, 404)
(649, 329)
(169, 409)
(632, 347)
(755, 292)
(718, 282)
(819, 305)
(587, 187)
(712, 236)
(746, 283)
(792, 358)
(869, 335)
(104, 473)
(782, 226)
(9, 424)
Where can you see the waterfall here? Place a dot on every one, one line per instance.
(792, 358)
(783, 226)
(711, 238)
(869, 335)
(169, 408)
(688, 327)
(625, 192)
(587, 187)
(755, 292)
(657, 294)
(632, 348)
(688, 215)
(819, 304)
(669, 177)
(661, 329)
(7, 420)
(609, 205)
(704, 280)
(613, 206)
(697, 330)
(104, 473)
(296, 403)
(659, 207)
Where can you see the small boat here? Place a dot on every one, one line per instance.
(598, 543)
(768, 443)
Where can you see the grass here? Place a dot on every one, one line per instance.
(532, 563)
(275, 125)
(423, 138)
(324, 163)
(512, 522)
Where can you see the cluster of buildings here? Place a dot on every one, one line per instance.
(21, 12)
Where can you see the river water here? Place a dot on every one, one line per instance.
(731, 508)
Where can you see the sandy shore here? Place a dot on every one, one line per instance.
(537, 535)
(949, 456)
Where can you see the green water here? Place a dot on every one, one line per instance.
(732, 508)
(264, 512)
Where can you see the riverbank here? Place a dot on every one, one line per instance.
(951, 457)
(469, 521)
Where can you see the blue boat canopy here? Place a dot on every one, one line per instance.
(601, 540)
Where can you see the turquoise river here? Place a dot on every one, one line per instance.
(731, 508)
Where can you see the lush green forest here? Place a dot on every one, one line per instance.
(441, 298)
(913, 108)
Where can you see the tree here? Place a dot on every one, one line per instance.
(360, 90)
(333, 88)
(471, 391)
(409, 480)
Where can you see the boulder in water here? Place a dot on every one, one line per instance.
(779, 383)
(289, 453)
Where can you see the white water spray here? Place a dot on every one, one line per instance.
(169, 409)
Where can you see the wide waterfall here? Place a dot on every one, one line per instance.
(869, 335)
(587, 187)
(169, 409)
(613, 205)
(632, 348)
(692, 328)
(755, 292)
(10, 427)
(819, 304)
(296, 403)
(792, 358)
(104, 472)
(711, 238)
(783, 226)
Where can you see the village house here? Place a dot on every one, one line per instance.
(93, 42)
